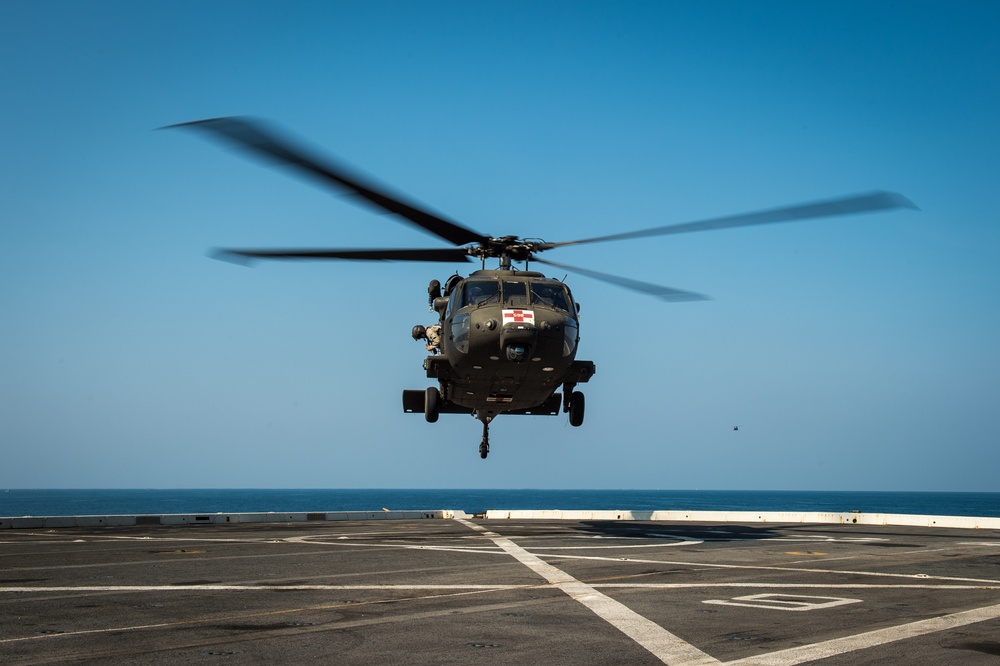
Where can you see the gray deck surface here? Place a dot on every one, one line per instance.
(500, 592)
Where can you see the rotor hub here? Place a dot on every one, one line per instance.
(505, 248)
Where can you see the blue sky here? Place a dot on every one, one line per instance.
(854, 353)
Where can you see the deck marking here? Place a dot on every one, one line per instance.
(221, 587)
(630, 545)
(667, 647)
(785, 602)
(708, 565)
(758, 567)
(797, 586)
(588, 595)
(838, 646)
(452, 613)
(447, 612)
(224, 587)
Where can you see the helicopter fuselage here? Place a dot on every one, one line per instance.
(508, 342)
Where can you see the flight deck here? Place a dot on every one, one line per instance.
(444, 587)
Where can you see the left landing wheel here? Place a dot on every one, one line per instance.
(484, 450)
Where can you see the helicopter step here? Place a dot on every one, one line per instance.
(415, 402)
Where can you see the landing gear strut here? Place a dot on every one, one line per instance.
(484, 446)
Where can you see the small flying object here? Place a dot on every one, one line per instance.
(506, 338)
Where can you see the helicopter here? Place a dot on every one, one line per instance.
(506, 338)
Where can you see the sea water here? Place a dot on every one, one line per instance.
(64, 502)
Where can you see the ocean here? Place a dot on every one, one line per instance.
(63, 502)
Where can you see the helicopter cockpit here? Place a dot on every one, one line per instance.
(512, 293)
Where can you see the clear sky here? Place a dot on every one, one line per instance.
(854, 353)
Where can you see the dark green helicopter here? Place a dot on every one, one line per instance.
(506, 338)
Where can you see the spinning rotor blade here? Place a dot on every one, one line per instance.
(437, 254)
(254, 137)
(665, 293)
(850, 205)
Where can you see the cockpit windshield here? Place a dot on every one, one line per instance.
(477, 292)
(550, 294)
(515, 293)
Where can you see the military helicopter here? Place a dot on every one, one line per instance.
(506, 337)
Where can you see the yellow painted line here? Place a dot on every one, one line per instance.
(811, 553)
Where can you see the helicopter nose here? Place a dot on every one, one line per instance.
(524, 335)
(517, 340)
(517, 352)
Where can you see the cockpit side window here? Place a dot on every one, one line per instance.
(552, 295)
(454, 300)
(515, 293)
(477, 292)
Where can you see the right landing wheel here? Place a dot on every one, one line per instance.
(576, 405)
(432, 404)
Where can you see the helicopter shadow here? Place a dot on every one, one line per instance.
(641, 530)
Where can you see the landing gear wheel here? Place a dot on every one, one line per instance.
(484, 450)
(432, 404)
(576, 405)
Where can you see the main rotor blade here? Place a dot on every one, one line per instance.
(849, 205)
(446, 254)
(665, 293)
(259, 140)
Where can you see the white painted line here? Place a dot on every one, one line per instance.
(448, 612)
(757, 567)
(647, 586)
(566, 556)
(783, 602)
(487, 550)
(797, 586)
(249, 588)
(667, 647)
(838, 646)
(672, 544)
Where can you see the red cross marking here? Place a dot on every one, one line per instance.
(519, 315)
